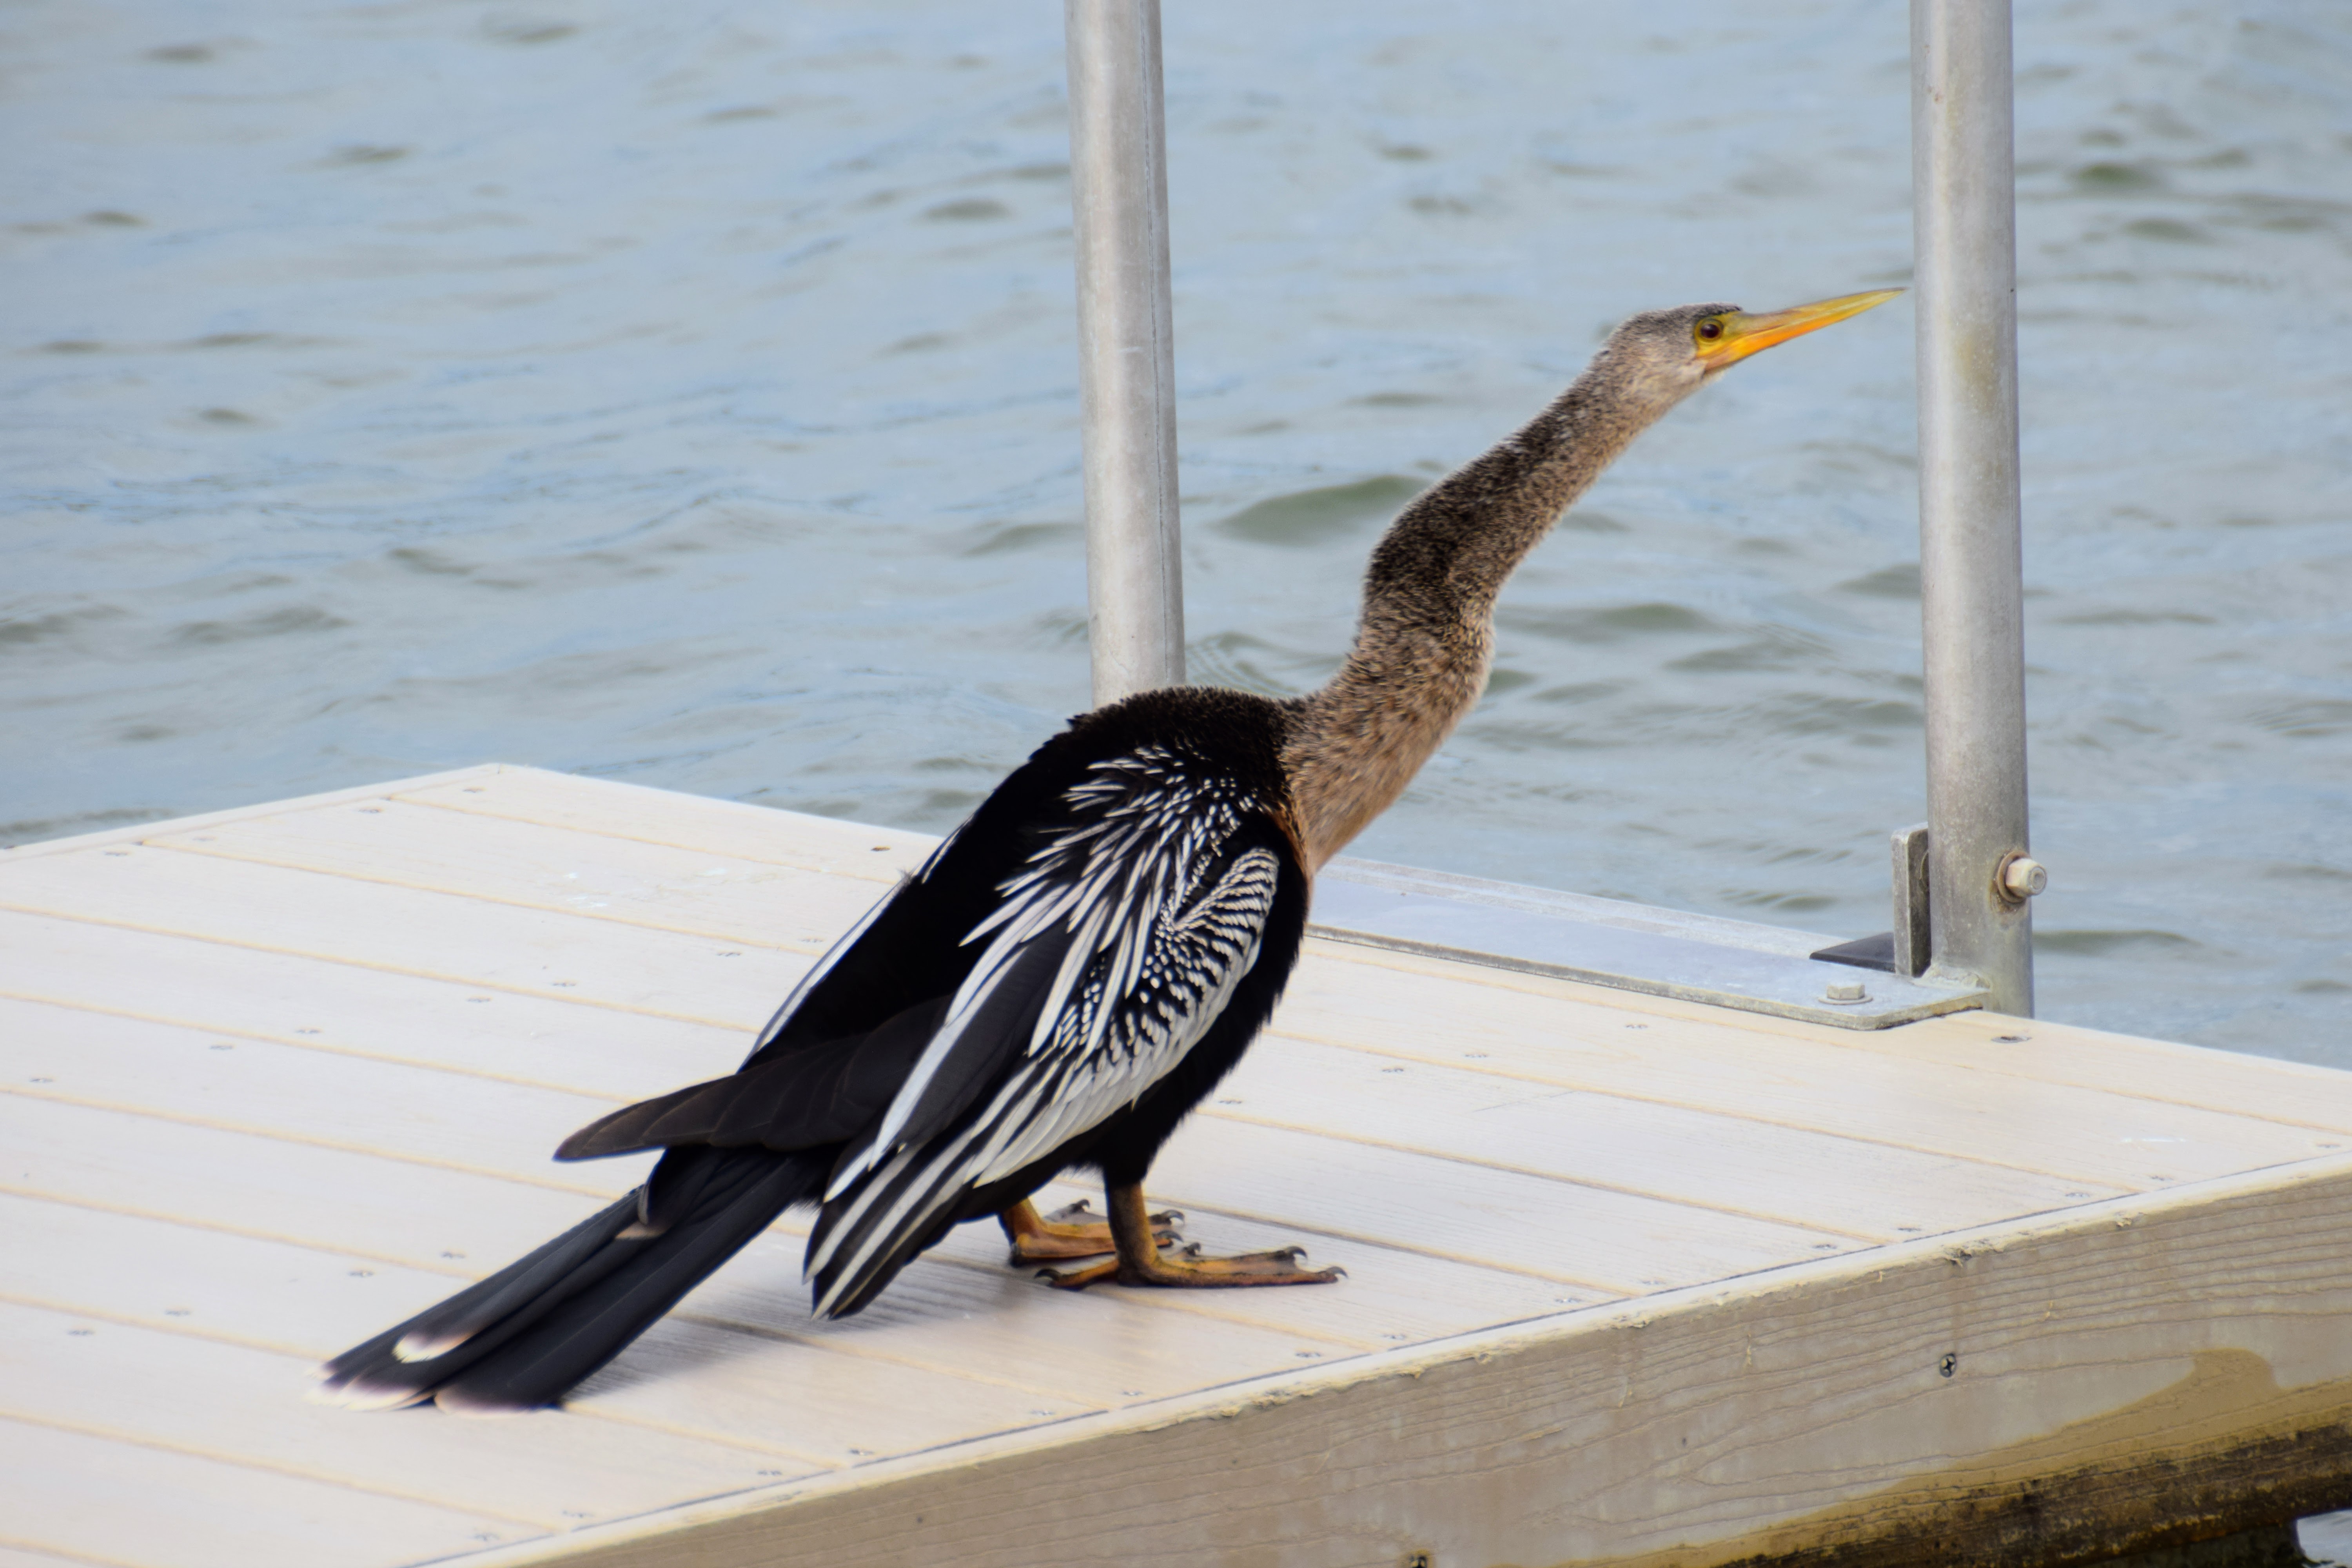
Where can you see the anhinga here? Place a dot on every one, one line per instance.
(1075, 966)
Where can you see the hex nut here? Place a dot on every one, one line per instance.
(1845, 992)
(2021, 876)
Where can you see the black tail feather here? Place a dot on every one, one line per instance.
(805, 1099)
(525, 1335)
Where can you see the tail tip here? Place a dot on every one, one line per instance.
(360, 1393)
(465, 1402)
(425, 1344)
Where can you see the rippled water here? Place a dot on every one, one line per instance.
(688, 394)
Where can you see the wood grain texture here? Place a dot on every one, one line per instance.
(690, 1376)
(456, 1222)
(1863, 1190)
(1458, 1015)
(173, 1072)
(23, 1557)
(410, 930)
(2293, 1092)
(459, 1223)
(130, 833)
(242, 993)
(591, 874)
(152, 1270)
(422, 1220)
(195, 1397)
(1632, 1281)
(71, 1493)
(1803, 1419)
(693, 823)
(2271, 1087)
(1392, 1297)
(1583, 1238)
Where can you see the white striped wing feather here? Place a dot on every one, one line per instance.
(1157, 921)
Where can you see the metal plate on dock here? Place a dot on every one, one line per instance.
(1632, 947)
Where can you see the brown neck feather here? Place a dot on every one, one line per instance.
(1427, 632)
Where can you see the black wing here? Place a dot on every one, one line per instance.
(1079, 969)
(1111, 952)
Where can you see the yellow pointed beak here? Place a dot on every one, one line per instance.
(1744, 334)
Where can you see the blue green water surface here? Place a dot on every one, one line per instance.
(686, 393)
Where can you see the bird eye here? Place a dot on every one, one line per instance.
(1711, 329)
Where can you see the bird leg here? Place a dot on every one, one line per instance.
(1072, 1232)
(1140, 1262)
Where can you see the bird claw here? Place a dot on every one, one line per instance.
(1275, 1255)
(1082, 1212)
(1073, 1231)
(1079, 1279)
(1188, 1267)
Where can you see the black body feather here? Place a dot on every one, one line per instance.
(1169, 806)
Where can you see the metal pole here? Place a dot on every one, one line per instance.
(1127, 377)
(1971, 579)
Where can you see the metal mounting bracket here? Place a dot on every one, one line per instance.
(1903, 950)
(1607, 941)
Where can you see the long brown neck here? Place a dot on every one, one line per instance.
(1427, 632)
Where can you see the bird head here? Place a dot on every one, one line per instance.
(1665, 355)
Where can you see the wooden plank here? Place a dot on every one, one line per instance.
(416, 1215)
(450, 1222)
(362, 1107)
(152, 1273)
(1585, 1237)
(386, 1108)
(1948, 1099)
(807, 1402)
(202, 1397)
(700, 1379)
(1104, 1347)
(2297, 1093)
(2118, 1375)
(242, 993)
(2267, 1087)
(1101, 1348)
(1858, 1189)
(358, 1108)
(437, 935)
(699, 824)
(724, 897)
(2263, 1086)
(92, 1499)
(1458, 1015)
(1582, 1236)
(1000, 1325)
(1685, 1155)
(130, 833)
(1390, 1296)
(16, 1557)
(393, 1110)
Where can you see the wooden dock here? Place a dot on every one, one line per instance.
(1632, 1280)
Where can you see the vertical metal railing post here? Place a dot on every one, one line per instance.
(1119, 180)
(1971, 577)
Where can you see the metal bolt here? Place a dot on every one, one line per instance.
(1845, 993)
(2021, 876)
